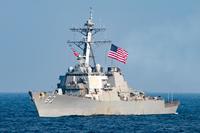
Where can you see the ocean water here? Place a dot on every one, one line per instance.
(18, 114)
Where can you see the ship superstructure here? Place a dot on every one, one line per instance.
(88, 89)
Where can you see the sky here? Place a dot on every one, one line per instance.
(162, 38)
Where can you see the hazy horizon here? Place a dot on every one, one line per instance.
(162, 38)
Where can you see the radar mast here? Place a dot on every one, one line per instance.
(88, 31)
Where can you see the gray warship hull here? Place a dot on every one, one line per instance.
(64, 105)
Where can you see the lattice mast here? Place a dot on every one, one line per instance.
(88, 31)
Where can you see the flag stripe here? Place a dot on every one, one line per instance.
(118, 54)
(121, 60)
(115, 55)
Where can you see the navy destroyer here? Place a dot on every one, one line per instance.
(88, 89)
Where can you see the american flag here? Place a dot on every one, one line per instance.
(118, 53)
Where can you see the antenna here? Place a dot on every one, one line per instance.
(88, 31)
(90, 13)
(172, 97)
(168, 96)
